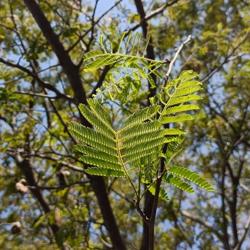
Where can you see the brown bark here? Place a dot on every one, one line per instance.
(150, 49)
(147, 242)
(73, 75)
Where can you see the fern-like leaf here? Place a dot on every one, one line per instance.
(96, 59)
(179, 183)
(96, 120)
(141, 116)
(177, 118)
(105, 172)
(92, 138)
(112, 151)
(95, 153)
(182, 108)
(180, 97)
(191, 176)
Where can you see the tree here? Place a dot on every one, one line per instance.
(47, 69)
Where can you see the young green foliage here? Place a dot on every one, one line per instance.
(179, 98)
(138, 144)
(191, 176)
(111, 151)
(129, 71)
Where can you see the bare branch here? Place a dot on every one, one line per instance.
(246, 230)
(149, 49)
(226, 59)
(36, 94)
(171, 64)
(38, 79)
(93, 24)
(101, 80)
(153, 14)
(58, 187)
(203, 223)
(56, 159)
(70, 69)
(73, 74)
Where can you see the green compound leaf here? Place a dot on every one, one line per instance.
(111, 151)
(191, 176)
(179, 183)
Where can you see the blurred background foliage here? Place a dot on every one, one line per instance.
(37, 101)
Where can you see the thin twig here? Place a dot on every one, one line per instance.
(34, 76)
(58, 187)
(246, 229)
(171, 64)
(94, 23)
(201, 222)
(66, 164)
(153, 14)
(226, 60)
(35, 94)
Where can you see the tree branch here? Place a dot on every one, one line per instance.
(92, 26)
(246, 230)
(171, 64)
(148, 226)
(58, 187)
(150, 49)
(38, 79)
(203, 223)
(153, 14)
(73, 75)
(226, 59)
(70, 69)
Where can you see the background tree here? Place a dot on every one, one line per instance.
(43, 79)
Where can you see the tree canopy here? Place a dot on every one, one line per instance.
(152, 82)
